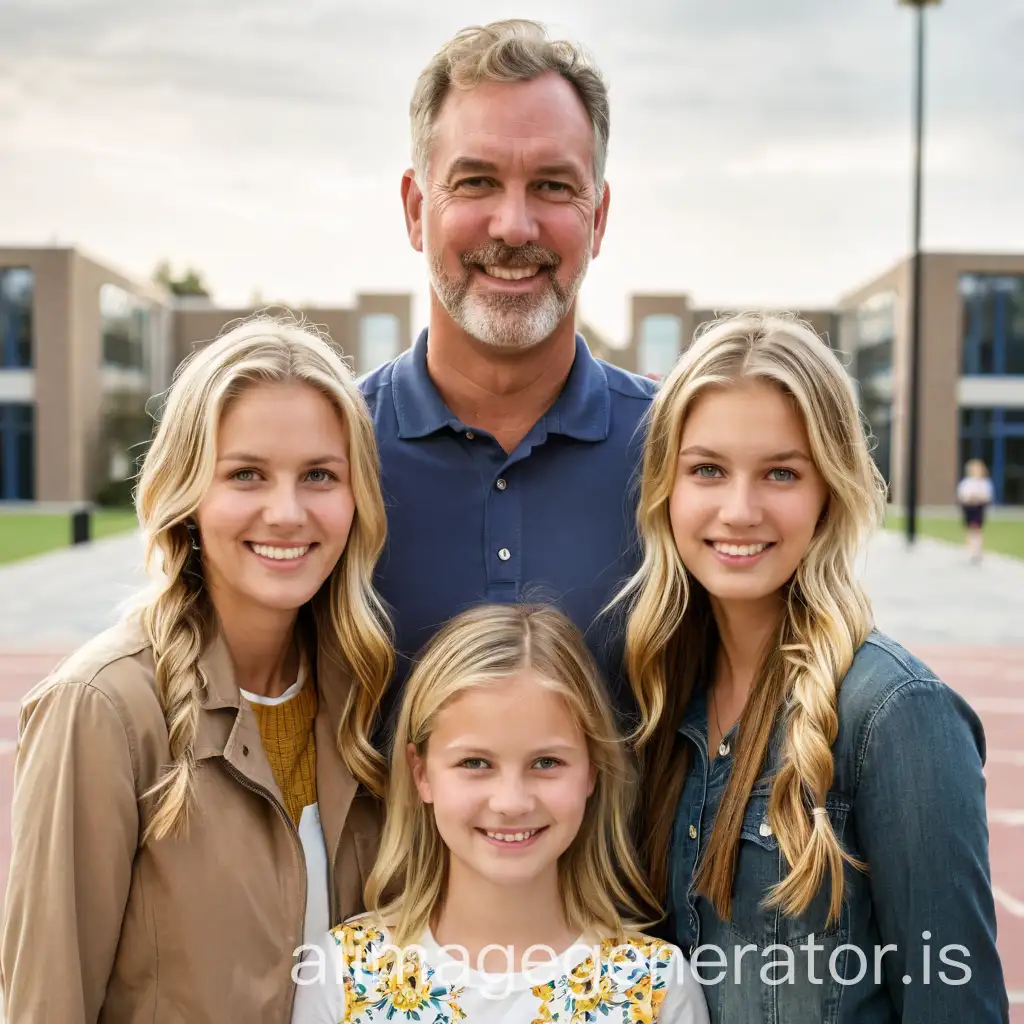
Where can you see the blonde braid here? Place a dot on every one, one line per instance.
(817, 658)
(175, 624)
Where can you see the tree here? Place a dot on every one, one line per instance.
(189, 282)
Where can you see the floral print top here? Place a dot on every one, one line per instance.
(357, 976)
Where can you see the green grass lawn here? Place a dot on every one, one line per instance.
(25, 534)
(1003, 535)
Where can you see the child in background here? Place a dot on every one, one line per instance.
(506, 840)
(974, 494)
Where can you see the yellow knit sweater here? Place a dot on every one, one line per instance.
(287, 731)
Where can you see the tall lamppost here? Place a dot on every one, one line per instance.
(914, 377)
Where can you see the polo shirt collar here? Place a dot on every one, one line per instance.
(419, 407)
(581, 411)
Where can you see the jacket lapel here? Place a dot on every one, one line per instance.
(335, 785)
(227, 725)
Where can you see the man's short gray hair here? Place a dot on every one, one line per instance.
(506, 51)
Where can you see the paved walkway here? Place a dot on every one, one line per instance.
(931, 595)
(59, 599)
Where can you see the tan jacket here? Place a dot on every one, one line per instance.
(196, 930)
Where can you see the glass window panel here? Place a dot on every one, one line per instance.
(1015, 329)
(992, 304)
(17, 452)
(17, 285)
(661, 336)
(977, 437)
(1013, 471)
(25, 446)
(986, 339)
(123, 320)
(379, 339)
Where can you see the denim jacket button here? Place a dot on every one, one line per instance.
(765, 829)
(693, 831)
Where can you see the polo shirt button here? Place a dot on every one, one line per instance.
(500, 483)
(504, 554)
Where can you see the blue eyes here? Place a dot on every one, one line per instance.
(478, 763)
(780, 474)
(314, 476)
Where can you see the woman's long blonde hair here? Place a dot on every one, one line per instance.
(671, 637)
(350, 621)
(600, 884)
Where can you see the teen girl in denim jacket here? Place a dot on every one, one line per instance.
(815, 803)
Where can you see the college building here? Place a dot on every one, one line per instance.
(971, 370)
(972, 365)
(83, 349)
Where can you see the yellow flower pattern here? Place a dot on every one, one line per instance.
(381, 985)
(627, 987)
(619, 983)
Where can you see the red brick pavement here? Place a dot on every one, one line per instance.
(992, 679)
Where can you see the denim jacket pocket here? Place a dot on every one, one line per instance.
(760, 866)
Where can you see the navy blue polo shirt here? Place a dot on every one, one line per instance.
(469, 523)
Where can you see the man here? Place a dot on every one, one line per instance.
(509, 454)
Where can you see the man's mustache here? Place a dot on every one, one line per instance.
(497, 254)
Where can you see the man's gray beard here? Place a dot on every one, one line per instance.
(506, 321)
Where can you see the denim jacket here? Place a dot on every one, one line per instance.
(908, 798)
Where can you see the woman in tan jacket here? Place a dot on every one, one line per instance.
(196, 792)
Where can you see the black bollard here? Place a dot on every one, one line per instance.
(80, 526)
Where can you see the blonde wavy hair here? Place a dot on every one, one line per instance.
(600, 884)
(350, 621)
(671, 637)
(516, 50)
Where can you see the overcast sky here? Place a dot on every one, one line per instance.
(760, 151)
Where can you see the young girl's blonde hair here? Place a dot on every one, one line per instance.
(351, 624)
(600, 884)
(671, 638)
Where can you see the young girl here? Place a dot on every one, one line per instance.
(815, 802)
(974, 493)
(505, 869)
(194, 788)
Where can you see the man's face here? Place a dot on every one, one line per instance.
(510, 217)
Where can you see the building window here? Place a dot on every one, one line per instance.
(17, 452)
(996, 436)
(379, 339)
(126, 429)
(992, 325)
(661, 337)
(124, 326)
(873, 327)
(17, 285)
